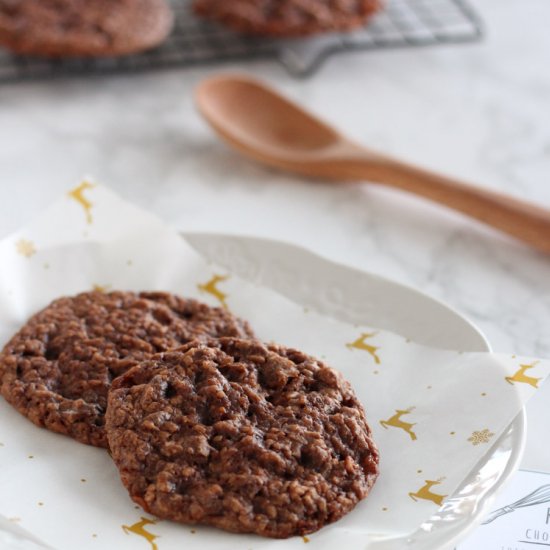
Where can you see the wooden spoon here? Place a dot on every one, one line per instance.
(269, 128)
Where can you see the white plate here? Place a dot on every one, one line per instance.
(316, 282)
(358, 297)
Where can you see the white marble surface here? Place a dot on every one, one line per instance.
(480, 112)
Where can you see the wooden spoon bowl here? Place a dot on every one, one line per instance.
(269, 128)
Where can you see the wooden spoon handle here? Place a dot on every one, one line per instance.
(522, 220)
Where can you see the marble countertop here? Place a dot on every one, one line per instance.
(478, 112)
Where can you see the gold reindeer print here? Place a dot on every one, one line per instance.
(139, 530)
(521, 377)
(396, 422)
(425, 492)
(211, 287)
(77, 194)
(101, 288)
(25, 248)
(362, 345)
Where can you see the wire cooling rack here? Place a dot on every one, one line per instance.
(402, 23)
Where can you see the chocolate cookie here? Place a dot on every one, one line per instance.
(88, 28)
(288, 17)
(58, 368)
(237, 435)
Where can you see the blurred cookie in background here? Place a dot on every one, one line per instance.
(83, 28)
(288, 17)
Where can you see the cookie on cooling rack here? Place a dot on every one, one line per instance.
(288, 17)
(238, 435)
(83, 28)
(58, 368)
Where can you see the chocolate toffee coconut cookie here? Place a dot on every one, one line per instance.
(58, 368)
(288, 17)
(92, 28)
(237, 435)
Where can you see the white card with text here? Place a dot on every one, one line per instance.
(520, 519)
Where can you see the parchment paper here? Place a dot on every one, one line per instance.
(434, 413)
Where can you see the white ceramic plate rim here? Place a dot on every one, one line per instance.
(386, 301)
